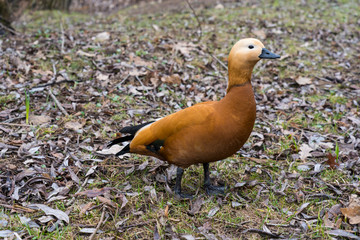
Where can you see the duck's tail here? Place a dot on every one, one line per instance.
(131, 131)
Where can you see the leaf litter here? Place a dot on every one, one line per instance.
(304, 150)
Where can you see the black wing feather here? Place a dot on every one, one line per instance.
(131, 130)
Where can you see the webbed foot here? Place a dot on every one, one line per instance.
(214, 190)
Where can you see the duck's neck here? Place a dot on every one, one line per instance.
(239, 74)
(240, 97)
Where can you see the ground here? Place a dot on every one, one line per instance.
(70, 81)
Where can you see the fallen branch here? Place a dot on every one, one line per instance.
(197, 19)
(58, 104)
(9, 29)
(219, 61)
(261, 233)
(15, 124)
(17, 208)
(98, 226)
(13, 119)
(54, 72)
(62, 39)
(79, 190)
(51, 83)
(135, 225)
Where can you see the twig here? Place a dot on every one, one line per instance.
(54, 72)
(15, 124)
(9, 29)
(17, 236)
(98, 226)
(82, 185)
(122, 81)
(261, 233)
(151, 93)
(13, 119)
(219, 61)
(141, 83)
(17, 208)
(79, 190)
(58, 104)
(258, 160)
(51, 83)
(5, 130)
(136, 225)
(62, 39)
(197, 19)
(241, 224)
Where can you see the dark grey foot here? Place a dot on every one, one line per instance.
(209, 188)
(183, 195)
(177, 189)
(214, 190)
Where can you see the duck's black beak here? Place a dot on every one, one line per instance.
(267, 54)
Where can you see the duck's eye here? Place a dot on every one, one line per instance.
(251, 46)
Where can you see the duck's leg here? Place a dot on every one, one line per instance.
(209, 188)
(179, 173)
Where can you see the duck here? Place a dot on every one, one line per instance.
(205, 132)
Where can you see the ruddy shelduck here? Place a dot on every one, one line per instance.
(208, 131)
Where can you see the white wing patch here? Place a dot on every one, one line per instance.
(146, 126)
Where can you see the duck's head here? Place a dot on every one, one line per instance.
(249, 51)
(243, 57)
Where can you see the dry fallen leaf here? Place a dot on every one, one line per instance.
(213, 211)
(332, 161)
(139, 62)
(305, 151)
(94, 192)
(343, 233)
(327, 222)
(184, 48)
(102, 77)
(260, 33)
(85, 208)
(166, 212)
(303, 80)
(112, 150)
(352, 212)
(74, 125)
(219, 6)
(82, 53)
(101, 37)
(195, 206)
(188, 237)
(107, 201)
(156, 233)
(90, 230)
(39, 119)
(137, 72)
(173, 79)
(50, 211)
(124, 200)
(6, 234)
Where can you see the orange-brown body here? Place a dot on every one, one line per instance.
(205, 132)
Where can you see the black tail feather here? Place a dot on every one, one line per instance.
(120, 140)
(126, 149)
(133, 129)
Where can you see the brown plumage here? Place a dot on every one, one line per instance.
(209, 131)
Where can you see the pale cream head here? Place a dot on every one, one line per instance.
(242, 59)
(246, 52)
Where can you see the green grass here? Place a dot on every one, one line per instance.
(4, 100)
